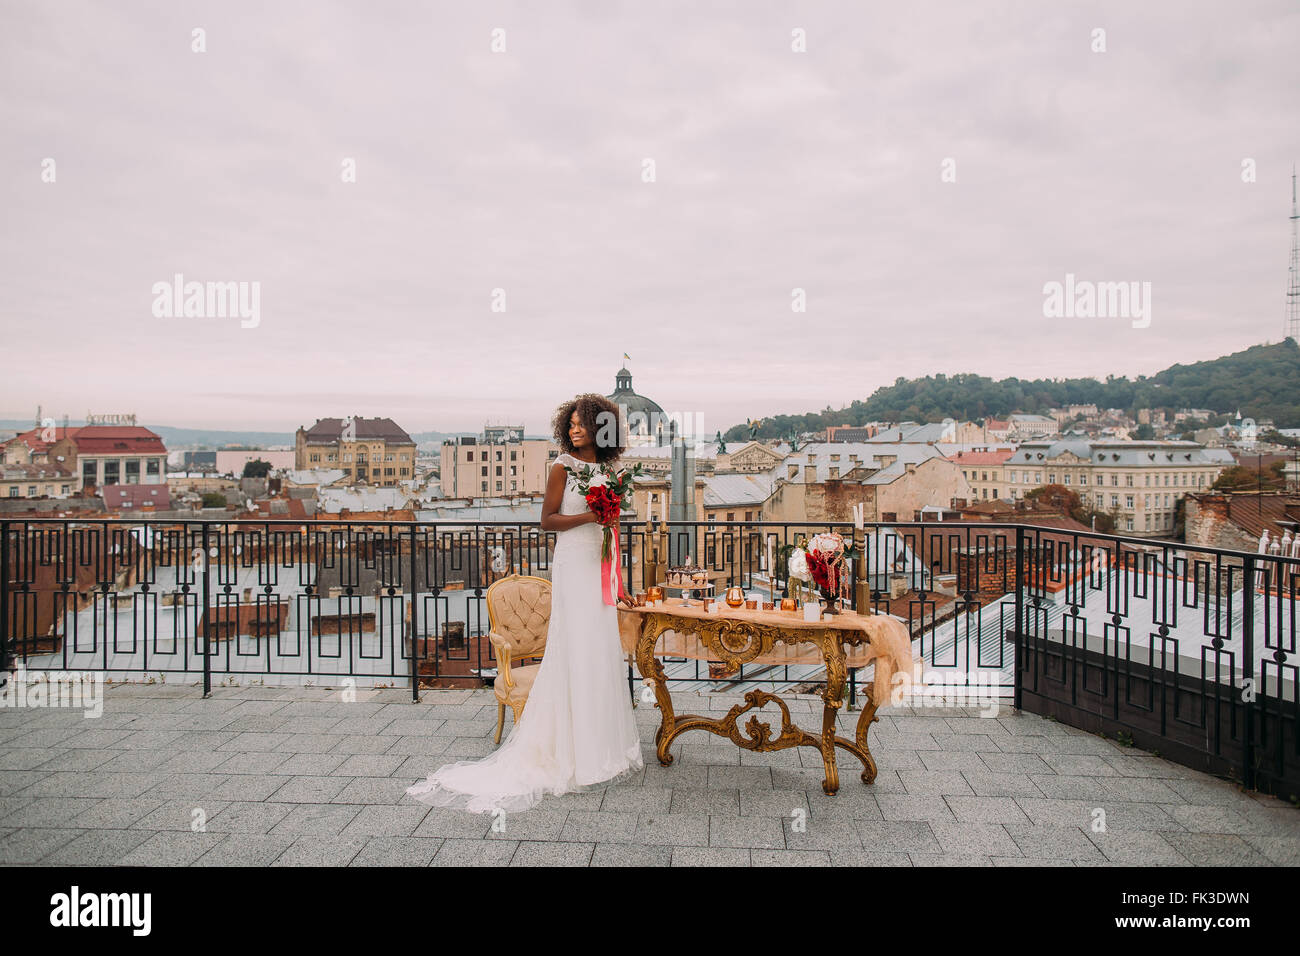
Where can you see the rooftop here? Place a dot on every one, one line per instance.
(295, 776)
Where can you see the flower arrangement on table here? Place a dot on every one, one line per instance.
(820, 566)
(608, 491)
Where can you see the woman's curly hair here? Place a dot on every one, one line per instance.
(599, 416)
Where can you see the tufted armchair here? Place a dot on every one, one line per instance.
(519, 613)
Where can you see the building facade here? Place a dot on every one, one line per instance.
(477, 466)
(374, 450)
(1138, 482)
(984, 471)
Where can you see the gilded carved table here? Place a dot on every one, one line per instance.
(738, 637)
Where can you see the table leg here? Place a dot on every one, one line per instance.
(833, 699)
(865, 720)
(653, 671)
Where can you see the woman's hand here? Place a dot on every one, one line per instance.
(626, 601)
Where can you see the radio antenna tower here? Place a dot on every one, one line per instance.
(1292, 329)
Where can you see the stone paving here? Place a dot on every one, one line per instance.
(285, 776)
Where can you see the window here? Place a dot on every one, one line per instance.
(498, 486)
(1114, 501)
(498, 455)
(995, 492)
(1128, 502)
(1114, 481)
(484, 469)
(731, 516)
(1128, 480)
(1128, 524)
(498, 471)
(469, 456)
(1083, 478)
(512, 455)
(984, 476)
(484, 487)
(749, 516)
(1038, 476)
(1067, 479)
(1051, 477)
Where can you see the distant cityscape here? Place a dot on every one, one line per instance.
(1192, 474)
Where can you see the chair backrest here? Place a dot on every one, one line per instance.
(519, 609)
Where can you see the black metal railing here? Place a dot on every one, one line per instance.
(1186, 650)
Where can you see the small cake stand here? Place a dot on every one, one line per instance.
(690, 589)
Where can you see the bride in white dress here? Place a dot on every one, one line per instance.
(577, 731)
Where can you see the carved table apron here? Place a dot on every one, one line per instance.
(739, 641)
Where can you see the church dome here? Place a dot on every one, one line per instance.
(646, 422)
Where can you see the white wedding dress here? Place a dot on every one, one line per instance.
(577, 731)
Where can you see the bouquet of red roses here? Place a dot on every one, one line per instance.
(608, 491)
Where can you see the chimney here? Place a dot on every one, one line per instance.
(810, 474)
(794, 472)
(1216, 505)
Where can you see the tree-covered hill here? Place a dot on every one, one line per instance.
(1263, 382)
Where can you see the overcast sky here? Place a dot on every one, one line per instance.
(522, 171)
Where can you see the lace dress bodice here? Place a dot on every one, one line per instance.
(583, 540)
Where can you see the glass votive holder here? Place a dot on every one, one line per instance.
(751, 604)
(640, 599)
(788, 604)
(768, 605)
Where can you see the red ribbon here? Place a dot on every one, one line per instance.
(609, 572)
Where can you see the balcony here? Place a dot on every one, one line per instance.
(1058, 665)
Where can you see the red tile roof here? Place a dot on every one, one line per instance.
(127, 439)
(32, 438)
(136, 497)
(983, 457)
(328, 430)
(278, 507)
(1255, 513)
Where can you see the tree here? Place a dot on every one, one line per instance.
(256, 468)
(214, 499)
(1057, 496)
(1246, 478)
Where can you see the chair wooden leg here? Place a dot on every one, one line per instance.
(501, 719)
